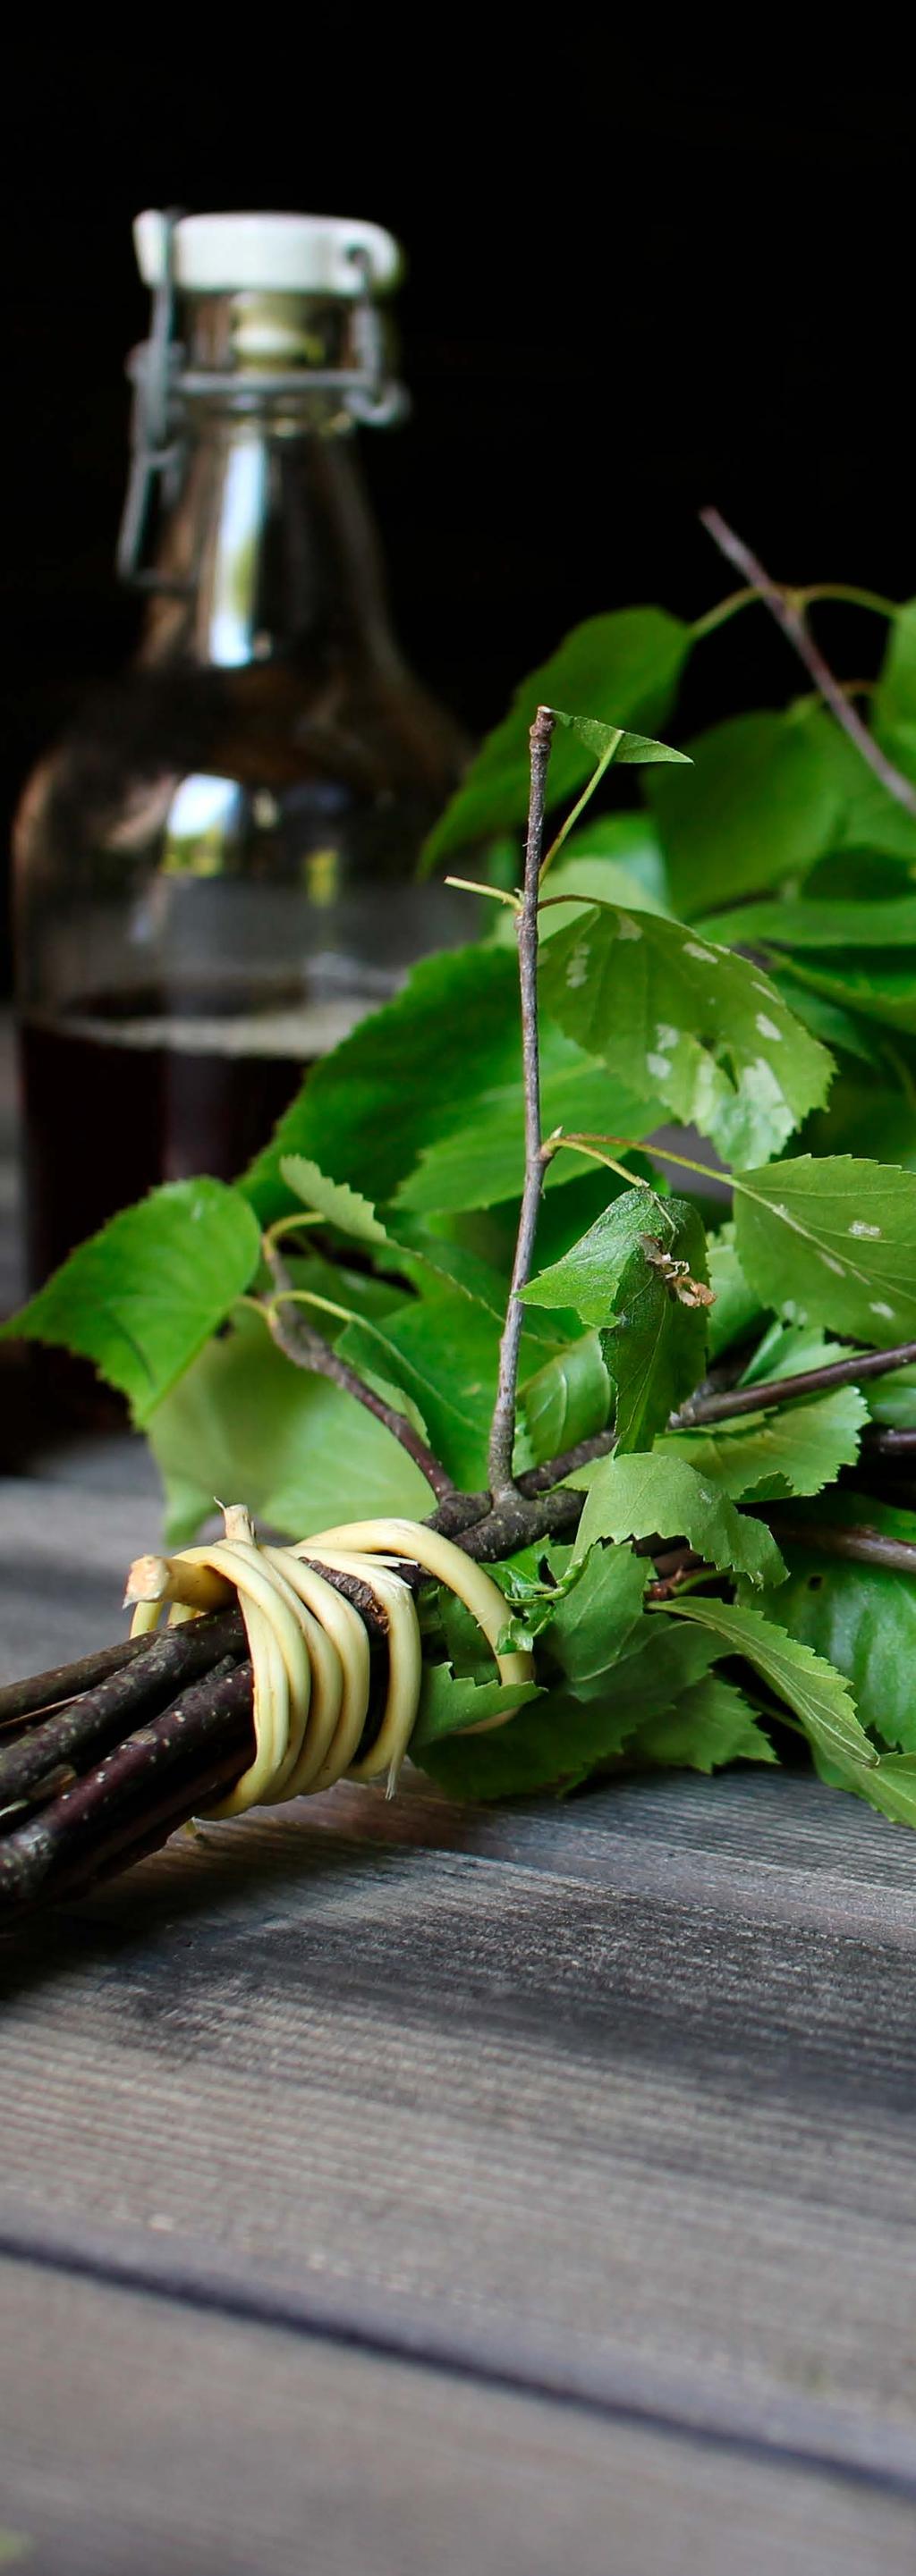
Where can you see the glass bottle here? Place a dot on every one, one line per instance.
(214, 872)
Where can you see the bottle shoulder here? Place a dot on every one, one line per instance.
(247, 771)
(356, 735)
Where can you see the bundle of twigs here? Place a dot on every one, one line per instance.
(103, 1759)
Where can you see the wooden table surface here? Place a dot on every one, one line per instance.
(419, 2187)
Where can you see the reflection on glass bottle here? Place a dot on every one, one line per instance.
(215, 872)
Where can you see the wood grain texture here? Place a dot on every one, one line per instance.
(610, 2102)
(611, 2128)
(64, 1552)
(183, 2442)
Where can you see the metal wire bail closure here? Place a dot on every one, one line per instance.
(163, 386)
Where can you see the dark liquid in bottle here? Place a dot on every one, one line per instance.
(112, 1105)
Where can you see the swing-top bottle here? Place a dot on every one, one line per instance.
(215, 871)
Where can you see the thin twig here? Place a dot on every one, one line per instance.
(857, 1541)
(848, 592)
(307, 1349)
(884, 1440)
(65, 1681)
(86, 1729)
(784, 605)
(787, 1390)
(672, 1571)
(502, 1431)
(146, 1786)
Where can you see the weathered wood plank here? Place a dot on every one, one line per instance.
(616, 2097)
(631, 2137)
(64, 1553)
(140, 2434)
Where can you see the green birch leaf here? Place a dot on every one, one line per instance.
(882, 988)
(894, 700)
(553, 1745)
(834, 1241)
(443, 1353)
(655, 1350)
(615, 858)
(563, 1739)
(656, 1666)
(870, 820)
(635, 1497)
(568, 1399)
(698, 1027)
(891, 1788)
(421, 1255)
(482, 1162)
(409, 1073)
(588, 1277)
(334, 1200)
(763, 804)
(892, 1399)
(448, 1705)
(837, 1028)
(623, 667)
(809, 1685)
(141, 1298)
(872, 823)
(862, 1618)
(441, 1062)
(305, 1455)
(737, 1307)
(785, 1350)
(610, 742)
(532, 1600)
(628, 840)
(575, 884)
(762, 1458)
(594, 1616)
(413, 1249)
(712, 1723)
(825, 924)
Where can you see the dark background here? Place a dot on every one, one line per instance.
(630, 292)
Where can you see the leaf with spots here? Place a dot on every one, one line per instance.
(832, 1240)
(688, 1023)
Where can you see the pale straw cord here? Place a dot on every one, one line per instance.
(308, 1645)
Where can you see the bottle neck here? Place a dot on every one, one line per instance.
(270, 553)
